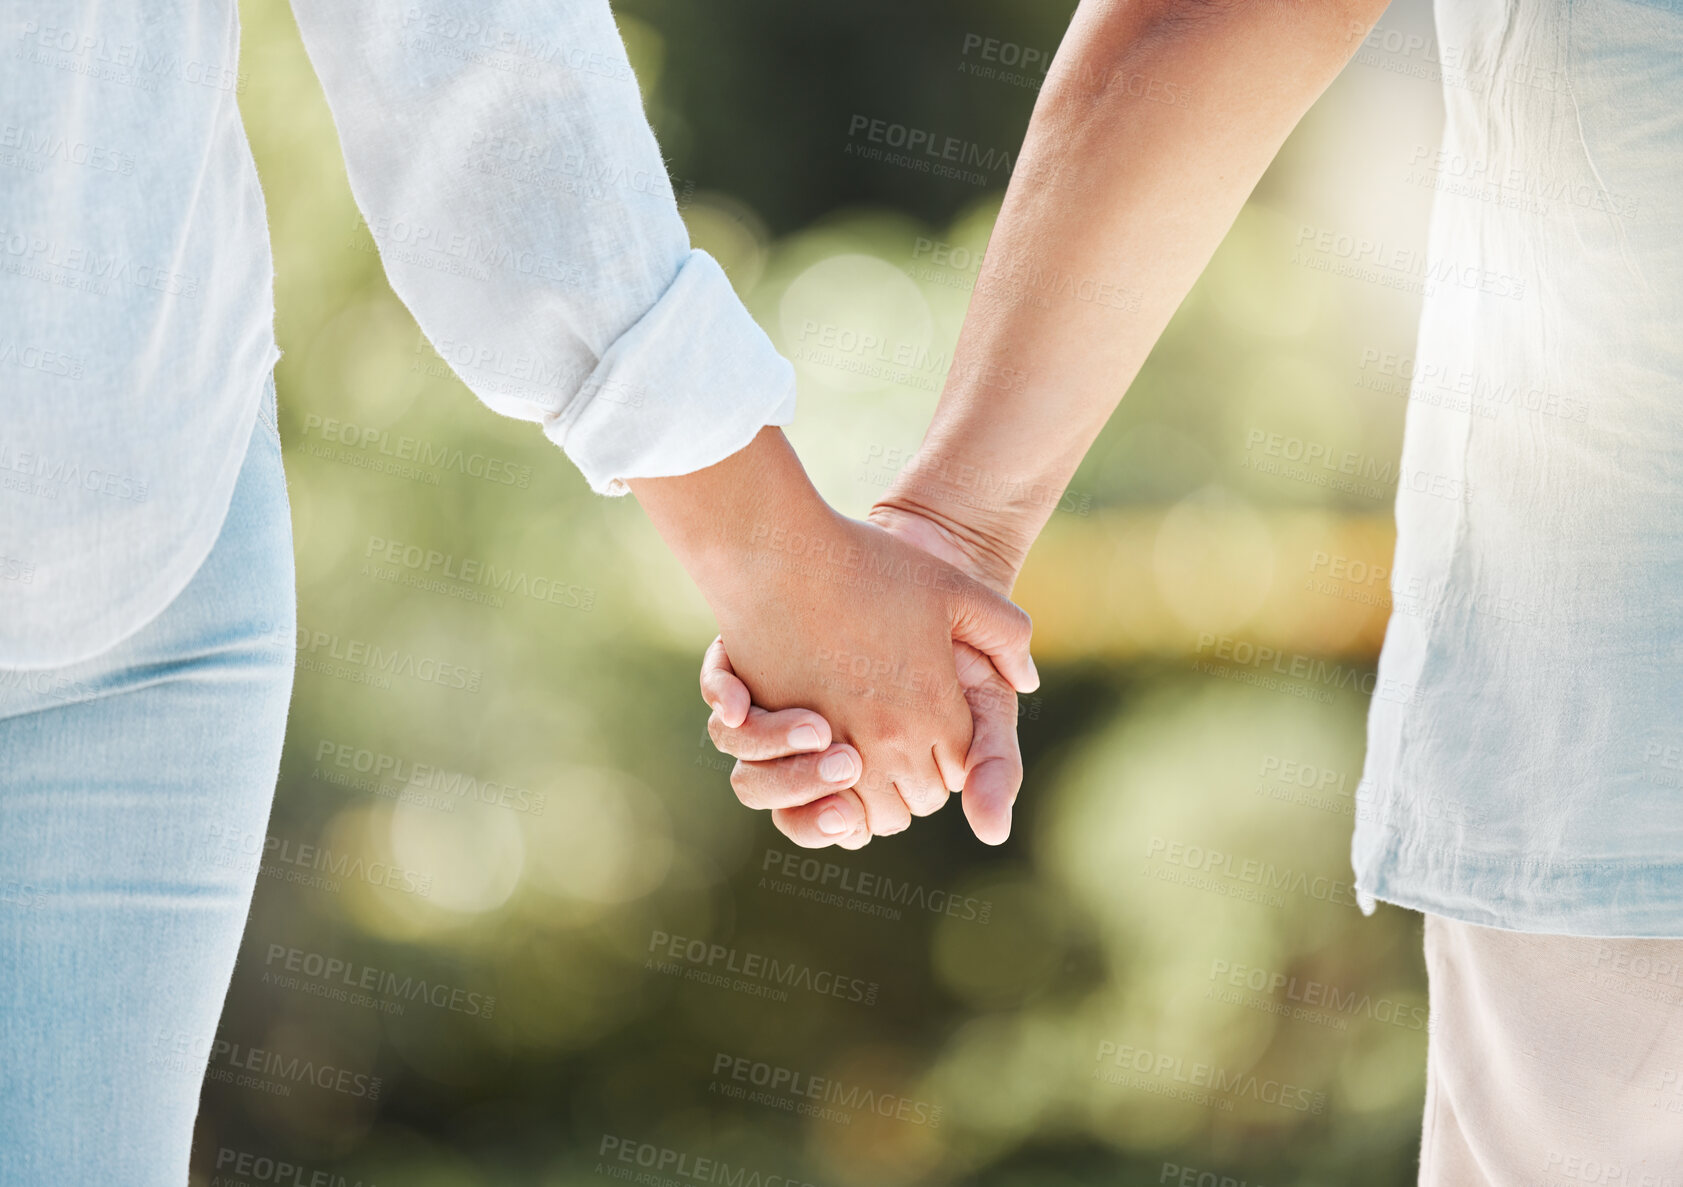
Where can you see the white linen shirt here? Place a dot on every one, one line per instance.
(1525, 741)
(500, 156)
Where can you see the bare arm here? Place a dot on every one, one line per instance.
(1156, 122)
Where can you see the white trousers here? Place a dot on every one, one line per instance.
(1554, 1061)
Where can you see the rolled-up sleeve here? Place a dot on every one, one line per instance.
(504, 168)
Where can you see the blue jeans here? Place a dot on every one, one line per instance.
(134, 795)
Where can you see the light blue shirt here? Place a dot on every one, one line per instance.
(499, 153)
(1525, 742)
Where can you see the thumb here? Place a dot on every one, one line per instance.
(994, 766)
(721, 688)
(998, 628)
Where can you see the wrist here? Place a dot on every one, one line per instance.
(717, 519)
(981, 526)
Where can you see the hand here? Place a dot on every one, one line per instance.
(845, 618)
(804, 778)
(880, 664)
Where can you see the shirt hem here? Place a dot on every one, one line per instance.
(1602, 900)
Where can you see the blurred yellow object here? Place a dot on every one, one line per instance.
(1094, 587)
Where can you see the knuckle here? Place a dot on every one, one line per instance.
(872, 782)
(789, 826)
(927, 802)
(888, 818)
(893, 737)
(798, 768)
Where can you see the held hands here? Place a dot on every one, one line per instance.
(878, 636)
(814, 782)
(898, 648)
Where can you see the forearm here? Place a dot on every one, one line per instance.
(1155, 124)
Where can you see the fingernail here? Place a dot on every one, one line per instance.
(836, 768)
(831, 822)
(804, 737)
(1034, 672)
